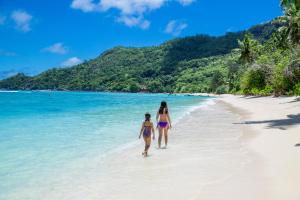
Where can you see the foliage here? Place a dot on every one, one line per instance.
(249, 49)
(276, 67)
(223, 89)
(253, 79)
(291, 19)
(297, 89)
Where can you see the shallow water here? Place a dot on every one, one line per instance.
(49, 140)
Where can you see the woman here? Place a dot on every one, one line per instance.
(164, 123)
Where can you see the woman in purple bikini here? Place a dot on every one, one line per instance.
(164, 122)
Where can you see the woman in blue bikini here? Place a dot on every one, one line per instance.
(147, 128)
(164, 123)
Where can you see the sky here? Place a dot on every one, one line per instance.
(37, 35)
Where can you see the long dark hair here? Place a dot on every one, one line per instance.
(163, 108)
(147, 117)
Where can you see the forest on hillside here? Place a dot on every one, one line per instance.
(263, 60)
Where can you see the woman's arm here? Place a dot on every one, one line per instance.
(153, 131)
(169, 119)
(157, 116)
(142, 129)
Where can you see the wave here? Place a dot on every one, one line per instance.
(9, 91)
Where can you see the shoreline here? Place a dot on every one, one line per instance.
(201, 94)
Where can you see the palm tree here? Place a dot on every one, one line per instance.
(292, 71)
(291, 19)
(249, 49)
(287, 3)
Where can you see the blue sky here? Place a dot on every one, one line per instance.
(37, 35)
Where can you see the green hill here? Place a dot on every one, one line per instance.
(187, 64)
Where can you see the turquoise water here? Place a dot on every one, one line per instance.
(45, 134)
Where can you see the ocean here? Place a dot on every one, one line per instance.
(50, 138)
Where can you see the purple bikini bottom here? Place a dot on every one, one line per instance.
(163, 124)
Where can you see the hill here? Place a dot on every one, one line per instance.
(162, 68)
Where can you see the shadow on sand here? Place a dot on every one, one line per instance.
(257, 97)
(251, 97)
(295, 100)
(282, 124)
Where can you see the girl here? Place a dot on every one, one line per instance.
(164, 122)
(147, 128)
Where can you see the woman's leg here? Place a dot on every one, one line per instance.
(166, 136)
(160, 130)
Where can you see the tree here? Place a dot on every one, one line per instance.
(291, 19)
(288, 3)
(292, 70)
(253, 80)
(249, 49)
(233, 75)
(278, 40)
(216, 81)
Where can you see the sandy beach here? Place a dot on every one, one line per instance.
(275, 123)
(232, 148)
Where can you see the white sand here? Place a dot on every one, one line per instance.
(277, 122)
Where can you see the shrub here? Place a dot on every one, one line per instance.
(222, 89)
(253, 80)
(297, 89)
(280, 82)
(268, 90)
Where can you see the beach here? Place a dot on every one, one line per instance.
(232, 148)
(275, 123)
(222, 147)
(150, 100)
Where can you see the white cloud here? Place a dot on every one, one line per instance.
(134, 21)
(131, 7)
(175, 27)
(84, 5)
(71, 62)
(186, 2)
(131, 12)
(57, 48)
(22, 20)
